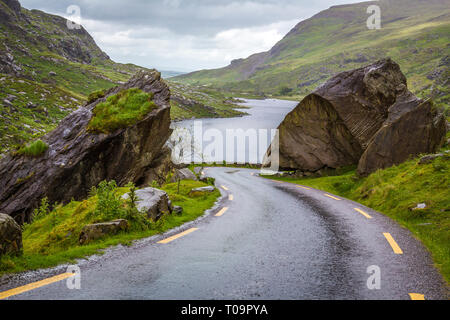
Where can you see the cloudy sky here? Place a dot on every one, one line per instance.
(185, 35)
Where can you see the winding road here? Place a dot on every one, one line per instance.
(265, 240)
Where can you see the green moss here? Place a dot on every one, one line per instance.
(394, 192)
(34, 149)
(121, 110)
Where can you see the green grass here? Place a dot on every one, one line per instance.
(394, 192)
(34, 149)
(121, 110)
(52, 238)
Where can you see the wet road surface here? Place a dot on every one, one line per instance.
(272, 241)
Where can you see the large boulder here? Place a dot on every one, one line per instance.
(97, 231)
(153, 202)
(10, 235)
(352, 116)
(417, 130)
(183, 174)
(78, 159)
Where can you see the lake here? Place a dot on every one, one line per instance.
(243, 139)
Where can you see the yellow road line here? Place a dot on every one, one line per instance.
(225, 188)
(304, 187)
(221, 212)
(175, 237)
(365, 214)
(416, 296)
(330, 196)
(230, 197)
(393, 244)
(34, 285)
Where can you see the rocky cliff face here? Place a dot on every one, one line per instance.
(364, 116)
(76, 159)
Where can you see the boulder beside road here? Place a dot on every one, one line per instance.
(153, 202)
(96, 231)
(10, 235)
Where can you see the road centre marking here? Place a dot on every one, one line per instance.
(365, 214)
(230, 197)
(330, 196)
(225, 188)
(393, 244)
(182, 234)
(416, 296)
(35, 285)
(221, 212)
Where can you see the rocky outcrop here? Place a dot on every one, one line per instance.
(364, 116)
(10, 235)
(97, 231)
(153, 202)
(77, 159)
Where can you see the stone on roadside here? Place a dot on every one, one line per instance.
(96, 231)
(198, 192)
(183, 174)
(10, 235)
(177, 210)
(153, 202)
(430, 158)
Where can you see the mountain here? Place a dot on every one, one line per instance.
(415, 33)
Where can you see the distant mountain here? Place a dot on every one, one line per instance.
(415, 33)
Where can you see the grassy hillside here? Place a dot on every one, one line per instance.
(415, 33)
(396, 191)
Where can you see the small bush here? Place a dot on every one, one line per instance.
(121, 110)
(95, 95)
(35, 149)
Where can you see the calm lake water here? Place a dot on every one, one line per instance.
(263, 116)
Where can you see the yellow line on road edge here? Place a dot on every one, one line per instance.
(230, 197)
(329, 196)
(393, 244)
(416, 296)
(304, 187)
(34, 285)
(365, 214)
(225, 188)
(175, 237)
(221, 212)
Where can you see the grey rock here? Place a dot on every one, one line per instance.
(96, 231)
(177, 210)
(52, 73)
(153, 202)
(10, 235)
(430, 158)
(183, 174)
(201, 191)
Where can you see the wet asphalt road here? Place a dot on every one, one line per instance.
(276, 241)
